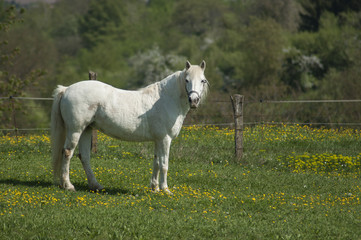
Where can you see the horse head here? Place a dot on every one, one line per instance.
(196, 84)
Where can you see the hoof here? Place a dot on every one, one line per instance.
(69, 188)
(167, 191)
(155, 188)
(96, 188)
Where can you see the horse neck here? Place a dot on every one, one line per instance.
(175, 88)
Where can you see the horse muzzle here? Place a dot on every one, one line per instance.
(193, 99)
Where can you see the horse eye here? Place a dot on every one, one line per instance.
(187, 81)
(204, 81)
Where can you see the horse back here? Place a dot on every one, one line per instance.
(120, 113)
(144, 115)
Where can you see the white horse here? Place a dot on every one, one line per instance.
(154, 113)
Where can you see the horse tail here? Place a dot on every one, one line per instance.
(57, 132)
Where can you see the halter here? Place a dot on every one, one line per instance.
(189, 93)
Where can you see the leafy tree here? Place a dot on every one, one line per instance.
(10, 83)
(313, 10)
(105, 18)
(63, 25)
(258, 47)
(300, 71)
(284, 12)
(198, 17)
(335, 44)
(263, 43)
(152, 65)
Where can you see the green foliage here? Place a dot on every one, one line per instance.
(252, 56)
(64, 25)
(103, 19)
(190, 22)
(284, 12)
(262, 49)
(153, 64)
(8, 81)
(12, 83)
(300, 71)
(333, 48)
(314, 9)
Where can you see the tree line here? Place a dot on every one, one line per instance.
(263, 49)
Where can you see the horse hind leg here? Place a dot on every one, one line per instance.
(84, 155)
(70, 143)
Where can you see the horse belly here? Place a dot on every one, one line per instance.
(123, 126)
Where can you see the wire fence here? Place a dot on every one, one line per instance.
(24, 114)
(33, 113)
(325, 113)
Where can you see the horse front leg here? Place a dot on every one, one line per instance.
(160, 166)
(154, 182)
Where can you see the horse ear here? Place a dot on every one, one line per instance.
(203, 65)
(188, 65)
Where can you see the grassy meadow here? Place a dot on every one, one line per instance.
(294, 182)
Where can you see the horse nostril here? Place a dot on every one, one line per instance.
(194, 98)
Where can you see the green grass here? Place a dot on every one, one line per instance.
(293, 183)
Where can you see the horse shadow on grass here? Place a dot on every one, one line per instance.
(26, 183)
(48, 184)
(105, 191)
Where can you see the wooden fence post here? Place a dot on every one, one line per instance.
(94, 142)
(237, 103)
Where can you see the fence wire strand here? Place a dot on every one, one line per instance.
(260, 116)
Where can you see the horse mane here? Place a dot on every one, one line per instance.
(164, 84)
(204, 93)
(168, 83)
